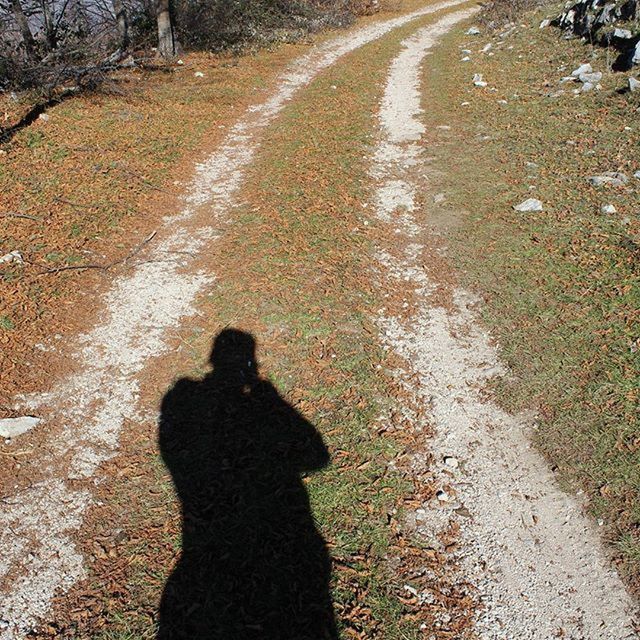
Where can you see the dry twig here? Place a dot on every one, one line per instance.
(104, 267)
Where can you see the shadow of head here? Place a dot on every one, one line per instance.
(233, 356)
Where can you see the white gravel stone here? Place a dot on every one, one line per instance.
(13, 427)
(623, 34)
(529, 205)
(12, 256)
(451, 462)
(583, 68)
(592, 78)
(609, 178)
(478, 81)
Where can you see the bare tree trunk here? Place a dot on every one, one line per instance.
(122, 23)
(23, 25)
(166, 40)
(49, 26)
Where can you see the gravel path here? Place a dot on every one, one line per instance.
(534, 558)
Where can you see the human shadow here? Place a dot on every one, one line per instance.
(253, 564)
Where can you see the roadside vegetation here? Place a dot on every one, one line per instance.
(55, 49)
(560, 286)
(80, 164)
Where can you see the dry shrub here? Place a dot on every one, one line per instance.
(84, 48)
(224, 25)
(500, 12)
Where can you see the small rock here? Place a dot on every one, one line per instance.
(502, 102)
(478, 81)
(180, 62)
(608, 209)
(593, 78)
(442, 495)
(545, 23)
(466, 51)
(12, 427)
(531, 165)
(198, 74)
(463, 511)
(587, 86)
(612, 178)
(465, 59)
(473, 31)
(486, 48)
(623, 34)
(4, 624)
(507, 32)
(634, 85)
(583, 68)
(12, 256)
(465, 104)
(44, 117)
(530, 204)
(637, 175)
(451, 462)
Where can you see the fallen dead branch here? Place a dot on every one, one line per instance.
(13, 214)
(104, 267)
(144, 180)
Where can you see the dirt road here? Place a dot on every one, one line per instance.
(533, 560)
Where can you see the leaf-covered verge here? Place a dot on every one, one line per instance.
(83, 186)
(293, 269)
(561, 287)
